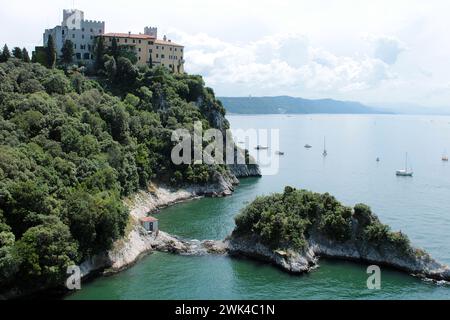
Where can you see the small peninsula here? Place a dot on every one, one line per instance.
(295, 228)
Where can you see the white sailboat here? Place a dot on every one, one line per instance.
(325, 152)
(405, 172)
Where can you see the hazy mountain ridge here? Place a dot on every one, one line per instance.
(291, 105)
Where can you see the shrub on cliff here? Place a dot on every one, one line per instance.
(284, 220)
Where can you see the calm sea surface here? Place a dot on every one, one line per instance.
(418, 206)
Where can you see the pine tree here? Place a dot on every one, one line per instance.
(150, 61)
(100, 53)
(114, 48)
(25, 55)
(5, 54)
(67, 52)
(17, 53)
(51, 52)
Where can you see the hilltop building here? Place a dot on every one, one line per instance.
(149, 49)
(81, 32)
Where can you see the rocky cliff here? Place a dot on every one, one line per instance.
(294, 229)
(413, 260)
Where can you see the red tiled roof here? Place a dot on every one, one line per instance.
(168, 43)
(130, 36)
(149, 219)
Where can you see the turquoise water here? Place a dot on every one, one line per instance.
(419, 206)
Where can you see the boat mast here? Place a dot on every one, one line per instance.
(406, 163)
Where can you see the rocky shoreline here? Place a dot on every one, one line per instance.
(293, 261)
(137, 243)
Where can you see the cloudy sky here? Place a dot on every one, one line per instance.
(377, 52)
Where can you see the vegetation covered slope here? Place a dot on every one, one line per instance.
(71, 148)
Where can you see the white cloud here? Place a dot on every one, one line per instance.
(388, 49)
(283, 63)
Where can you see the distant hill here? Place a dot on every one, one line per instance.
(291, 105)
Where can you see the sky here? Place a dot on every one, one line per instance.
(380, 52)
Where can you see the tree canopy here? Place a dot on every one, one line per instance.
(72, 148)
(285, 220)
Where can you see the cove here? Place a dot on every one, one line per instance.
(419, 207)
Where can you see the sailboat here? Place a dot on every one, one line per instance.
(444, 156)
(325, 153)
(405, 172)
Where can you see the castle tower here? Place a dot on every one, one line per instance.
(151, 31)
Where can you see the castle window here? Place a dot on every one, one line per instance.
(162, 56)
(78, 55)
(100, 31)
(157, 55)
(170, 48)
(139, 49)
(73, 36)
(110, 39)
(150, 50)
(134, 41)
(82, 36)
(86, 56)
(126, 40)
(140, 41)
(82, 29)
(92, 30)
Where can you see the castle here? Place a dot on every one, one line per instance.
(83, 33)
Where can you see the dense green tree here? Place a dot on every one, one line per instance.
(126, 72)
(9, 262)
(96, 221)
(25, 55)
(111, 68)
(57, 83)
(50, 50)
(114, 49)
(100, 53)
(6, 54)
(67, 52)
(17, 53)
(150, 61)
(47, 250)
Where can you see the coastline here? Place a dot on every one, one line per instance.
(136, 244)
